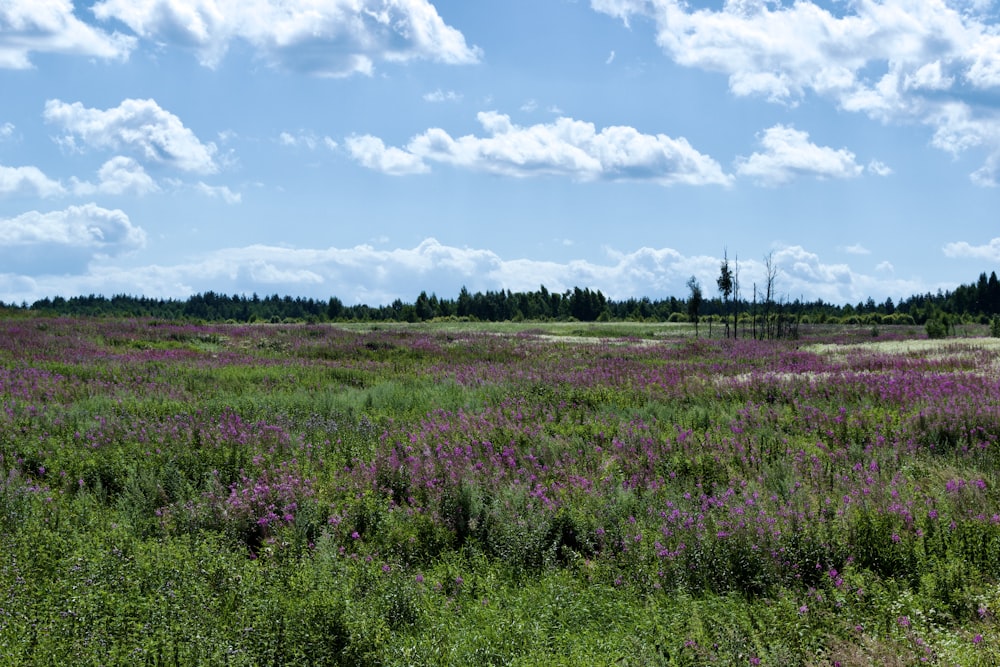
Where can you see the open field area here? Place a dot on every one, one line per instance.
(531, 494)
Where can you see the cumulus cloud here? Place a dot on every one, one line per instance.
(783, 50)
(28, 180)
(334, 38)
(928, 77)
(139, 126)
(64, 242)
(299, 139)
(789, 153)
(565, 147)
(804, 273)
(622, 9)
(375, 275)
(964, 250)
(857, 249)
(220, 192)
(958, 129)
(372, 153)
(6, 131)
(118, 176)
(894, 60)
(87, 226)
(879, 168)
(50, 26)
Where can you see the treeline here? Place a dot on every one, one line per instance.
(975, 302)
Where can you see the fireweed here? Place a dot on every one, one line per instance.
(830, 487)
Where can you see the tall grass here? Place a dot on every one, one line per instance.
(179, 494)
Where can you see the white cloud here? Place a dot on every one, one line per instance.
(372, 153)
(65, 242)
(804, 274)
(879, 168)
(885, 266)
(141, 126)
(928, 77)
(6, 131)
(330, 143)
(622, 9)
(119, 175)
(789, 153)
(565, 147)
(894, 60)
(443, 96)
(27, 180)
(219, 192)
(857, 249)
(300, 139)
(965, 250)
(366, 274)
(50, 26)
(781, 51)
(984, 52)
(332, 38)
(611, 58)
(958, 130)
(88, 226)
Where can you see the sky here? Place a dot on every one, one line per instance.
(374, 149)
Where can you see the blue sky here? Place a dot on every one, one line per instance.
(371, 149)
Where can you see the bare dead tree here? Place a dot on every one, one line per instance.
(770, 277)
(736, 294)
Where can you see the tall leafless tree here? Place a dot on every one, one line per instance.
(770, 277)
(736, 294)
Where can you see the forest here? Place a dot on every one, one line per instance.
(976, 302)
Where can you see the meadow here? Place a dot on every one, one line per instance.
(534, 494)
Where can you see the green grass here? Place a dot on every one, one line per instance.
(118, 543)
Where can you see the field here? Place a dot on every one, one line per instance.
(535, 494)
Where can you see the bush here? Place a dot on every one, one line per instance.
(936, 328)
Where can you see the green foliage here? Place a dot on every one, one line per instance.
(936, 328)
(249, 510)
(981, 299)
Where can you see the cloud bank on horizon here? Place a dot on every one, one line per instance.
(371, 149)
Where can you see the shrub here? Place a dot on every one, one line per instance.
(936, 328)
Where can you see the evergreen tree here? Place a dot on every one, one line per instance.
(725, 283)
